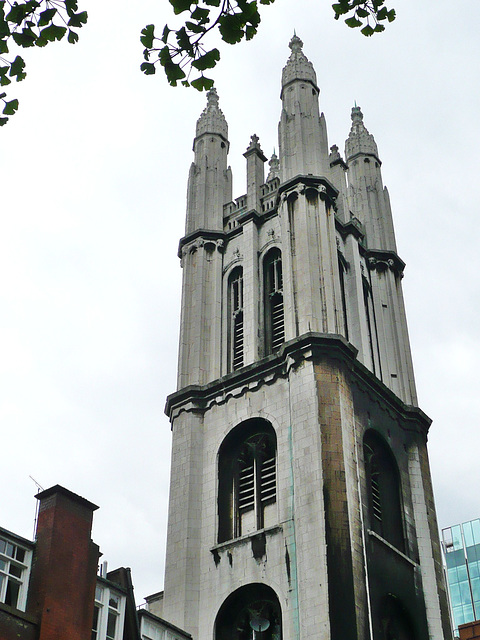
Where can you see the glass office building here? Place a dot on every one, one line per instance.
(461, 547)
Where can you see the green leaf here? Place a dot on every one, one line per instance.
(147, 35)
(353, 22)
(379, 28)
(207, 61)
(179, 6)
(212, 3)
(231, 28)
(16, 14)
(46, 17)
(382, 13)
(17, 69)
(165, 34)
(72, 37)
(71, 6)
(391, 15)
(53, 32)
(250, 32)
(25, 39)
(340, 9)
(200, 14)
(4, 80)
(202, 83)
(173, 71)
(194, 27)
(148, 68)
(10, 107)
(362, 13)
(367, 30)
(184, 41)
(3, 121)
(77, 19)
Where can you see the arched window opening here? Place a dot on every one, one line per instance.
(235, 319)
(396, 623)
(384, 490)
(247, 488)
(250, 613)
(274, 314)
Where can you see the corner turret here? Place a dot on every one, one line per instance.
(210, 180)
(302, 131)
(368, 198)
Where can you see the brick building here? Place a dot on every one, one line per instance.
(50, 588)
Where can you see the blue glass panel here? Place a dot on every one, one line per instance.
(458, 616)
(468, 614)
(466, 598)
(473, 552)
(473, 569)
(476, 530)
(455, 595)
(468, 534)
(455, 558)
(452, 575)
(457, 537)
(462, 573)
(475, 582)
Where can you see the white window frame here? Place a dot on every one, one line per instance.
(103, 594)
(6, 562)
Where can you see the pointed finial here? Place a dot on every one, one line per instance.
(212, 98)
(298, 66)
(359, 139)
(295, 43)
(255, 145)
(274, 165)
(212, 118)
(357, 115)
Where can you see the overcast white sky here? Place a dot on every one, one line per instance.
(93, 173)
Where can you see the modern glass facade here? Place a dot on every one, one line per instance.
(461, 547)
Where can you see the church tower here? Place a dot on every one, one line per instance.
(301, 503)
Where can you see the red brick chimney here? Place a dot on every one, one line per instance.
(64, 571)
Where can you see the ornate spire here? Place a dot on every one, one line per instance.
(212, 119)
(274, 165)
(359, 139)
(298, 66)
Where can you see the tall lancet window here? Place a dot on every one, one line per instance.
(235, 318)
(367, 300)
(383, 488)
(342, 270)
(247, 480)
(274, 314)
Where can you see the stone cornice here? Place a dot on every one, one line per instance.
(381, 260)
(360, 154)
(217, 237)
(309, 347)
(322, 184)
(353, 227)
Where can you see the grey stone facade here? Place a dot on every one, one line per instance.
(319, 521)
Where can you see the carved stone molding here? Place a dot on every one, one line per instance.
(381, 261)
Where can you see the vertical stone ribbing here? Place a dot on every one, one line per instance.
(428, 544)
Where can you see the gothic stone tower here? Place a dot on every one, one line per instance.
(301, 503)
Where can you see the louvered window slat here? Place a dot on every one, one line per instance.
(246, 489)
